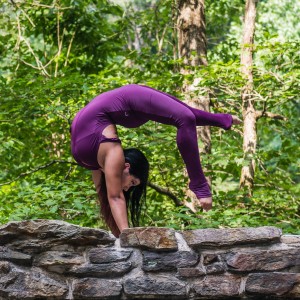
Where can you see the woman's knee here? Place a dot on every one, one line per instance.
(187, 118)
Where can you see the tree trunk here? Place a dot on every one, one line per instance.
(191, 32)
(192, 47)
(249, 113)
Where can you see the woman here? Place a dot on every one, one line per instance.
(96, 146)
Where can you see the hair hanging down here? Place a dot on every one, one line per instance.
(135, 196)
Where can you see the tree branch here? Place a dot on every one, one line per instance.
(37, 169)
(69, 48)
(23, 39)
(166, 192)
(267, 114)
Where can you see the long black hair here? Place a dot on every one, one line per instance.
(135, 196)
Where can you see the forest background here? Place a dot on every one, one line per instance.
(57, 55)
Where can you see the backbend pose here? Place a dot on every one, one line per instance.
(120, 176)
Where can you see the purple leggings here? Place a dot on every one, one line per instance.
(187, 120)
(133, 105)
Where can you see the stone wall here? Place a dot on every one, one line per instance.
(46, 259)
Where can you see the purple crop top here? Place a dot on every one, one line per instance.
(133, 105)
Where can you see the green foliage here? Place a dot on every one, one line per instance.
(51, 35)
(266, 207)
(64, 200)
(93, 50)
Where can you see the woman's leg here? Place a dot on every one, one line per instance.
(204, 118)
(169, 110)
(188, 147)
(155, 105)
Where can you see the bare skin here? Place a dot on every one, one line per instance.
(236, 120)
(118, 179)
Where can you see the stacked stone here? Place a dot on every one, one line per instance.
(46, 259)
(247, 263)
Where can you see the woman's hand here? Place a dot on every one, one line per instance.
(206, 203)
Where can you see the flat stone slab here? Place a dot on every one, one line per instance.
(94, 288)
(263, 260)
(108, 255)
(155, 287)
(151, 238)
(110, 270)
(35, 236)
(217, 286)
(214, 238)
(153, 261)
(51, 258)
(271, 283)
(191, 272)
(58, 261)
(14, 256)
(291, 239)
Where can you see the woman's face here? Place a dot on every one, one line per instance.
(128, 180)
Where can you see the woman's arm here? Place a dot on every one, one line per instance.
(114, 164)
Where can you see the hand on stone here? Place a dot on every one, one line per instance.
(236, 120)
(206, 203)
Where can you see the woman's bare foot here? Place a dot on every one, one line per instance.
(236, 120)
(206, 203)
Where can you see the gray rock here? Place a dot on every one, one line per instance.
(290, 239)
(229, 237)
(31, 285)
(263, 260)
(209, 258)
(107, 255)
(217, 286)
(190, 272)
(57, 258)
(271, 283)
(101, 270)
(58, 262)
(157, 287)
(14, 256)
(93, 288)
(151, 238)
(216, 268)
(35, 236)
(153, 261)
(295, 292)
(5, 267)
